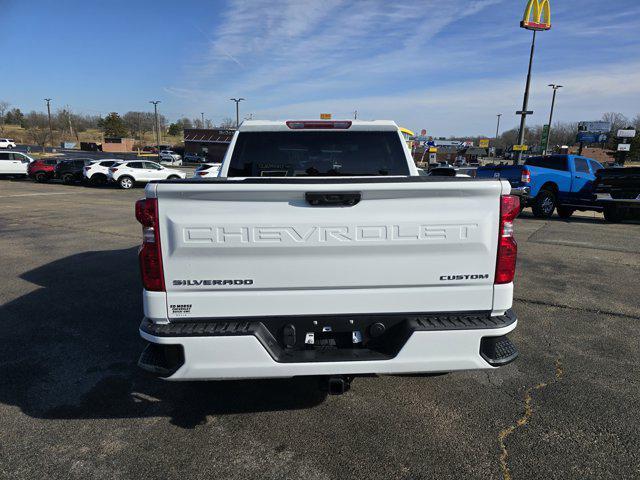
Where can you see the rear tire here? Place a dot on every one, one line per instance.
(173, 177)
(41, 177)
(67, 178)
(612, 214)
(544, 204)
(126, 182)
(565, 212)
(98, 180)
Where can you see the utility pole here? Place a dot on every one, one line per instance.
(498, 126)
(48, 100)
(355, 114)
(202, 115)
(155, 108)
(553, 103)
(237, 100)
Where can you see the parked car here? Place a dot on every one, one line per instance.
(127, 174)
(170, 157)
(149, 149)
(71, 170)
(207, 170)
(7, 143)
(15, 164)
(43, 169)
(194, 158)
(97, 172)
(352, 265)
(552, 182)
(617, 190)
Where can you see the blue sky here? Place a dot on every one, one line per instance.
(444, 65)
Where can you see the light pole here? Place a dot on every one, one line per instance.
(155, 108)
(48, 100)
(202, 115)
(553, 103)
(237, 100)
(498, 126)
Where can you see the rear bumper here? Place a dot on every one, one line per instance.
(607, 198)
(214, 350)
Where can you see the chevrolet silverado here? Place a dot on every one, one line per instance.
(319, 250)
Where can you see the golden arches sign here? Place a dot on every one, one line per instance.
(537, 15)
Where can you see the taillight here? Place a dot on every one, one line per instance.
(319, 125)
(150, 255)
(507, 246)
(203, 173)
(526, 176)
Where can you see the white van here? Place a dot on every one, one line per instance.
(14, 163)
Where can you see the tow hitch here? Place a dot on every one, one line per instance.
(338, 385)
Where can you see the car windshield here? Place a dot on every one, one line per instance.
(300, 154)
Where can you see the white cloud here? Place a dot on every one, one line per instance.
(300, 58)
(469, 107)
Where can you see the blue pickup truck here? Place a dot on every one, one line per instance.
(552, 182)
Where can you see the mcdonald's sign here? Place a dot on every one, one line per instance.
(537, 15)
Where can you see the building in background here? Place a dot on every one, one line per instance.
(211, 143)
(118, 145)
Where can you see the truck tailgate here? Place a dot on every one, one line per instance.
(255, 248)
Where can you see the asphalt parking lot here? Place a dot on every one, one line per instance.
(73, 404)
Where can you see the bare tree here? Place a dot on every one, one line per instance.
(4, 106)
(227, 123)
(38, 136)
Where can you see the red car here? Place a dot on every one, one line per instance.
(42, 170)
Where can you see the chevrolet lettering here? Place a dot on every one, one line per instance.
(234, 235)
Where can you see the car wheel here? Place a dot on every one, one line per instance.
(41, 177)
(612, 214)
(565, 212)
(98, 179)
(67, 178)
(544, 204)
(125, 182)
(173, 177)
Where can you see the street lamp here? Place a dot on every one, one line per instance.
(553, 103)
(498, 126)
(237, 100)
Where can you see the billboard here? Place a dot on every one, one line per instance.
(484, 143)
(594, 127)
(591, 137)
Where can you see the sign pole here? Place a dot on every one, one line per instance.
(525, 102)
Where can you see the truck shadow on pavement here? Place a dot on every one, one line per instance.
(71, 347)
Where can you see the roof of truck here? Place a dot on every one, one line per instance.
(281, 125)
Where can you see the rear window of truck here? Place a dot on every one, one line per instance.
(554, 162)
(308, 154)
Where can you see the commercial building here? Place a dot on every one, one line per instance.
(211, 143)
(118, 145)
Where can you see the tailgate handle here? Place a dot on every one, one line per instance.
(332, 199)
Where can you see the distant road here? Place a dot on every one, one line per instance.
(74, 153)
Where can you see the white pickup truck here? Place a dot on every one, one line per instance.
(319, 250)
